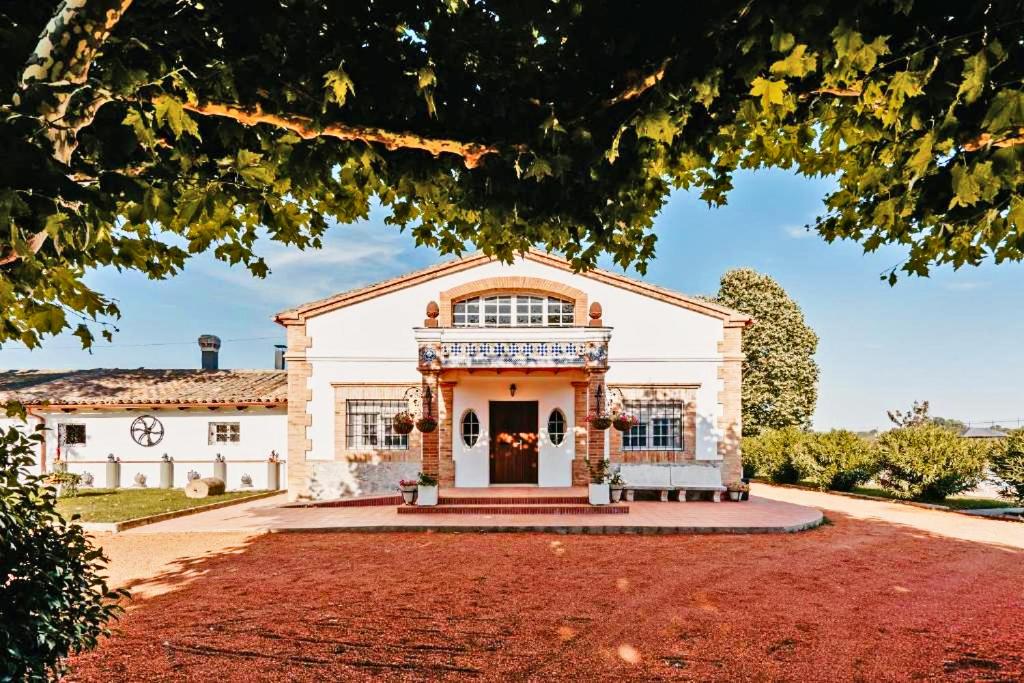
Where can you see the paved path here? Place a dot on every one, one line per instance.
(270, 515)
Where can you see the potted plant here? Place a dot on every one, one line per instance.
(599, 492)
(426, 491)
(65, 482)
(616, 483)
(625, 421)
(600, 421)
(737, 490)
(426, 424)
(403, 422)
(408, 489)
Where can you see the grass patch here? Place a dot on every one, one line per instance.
(118, 505)
(955, 502)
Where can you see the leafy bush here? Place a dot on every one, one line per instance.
(838, 460)
(1008, 465)
(771, 454)
(53, 601)
(929, 462)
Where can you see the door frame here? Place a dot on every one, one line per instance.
(492, 435)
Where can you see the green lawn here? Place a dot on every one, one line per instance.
(117, 505)
(955, 502)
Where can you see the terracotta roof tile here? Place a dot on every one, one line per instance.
(142, 386)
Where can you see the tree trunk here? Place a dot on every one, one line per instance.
(201, 488)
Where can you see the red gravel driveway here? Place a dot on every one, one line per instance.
(864, 598)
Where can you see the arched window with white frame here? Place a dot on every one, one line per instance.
(513, 310)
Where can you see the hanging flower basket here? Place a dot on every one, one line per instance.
(426, 424)
(625, 421)
(600, 421)
(403, 423)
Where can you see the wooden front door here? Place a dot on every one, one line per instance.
(513, 442)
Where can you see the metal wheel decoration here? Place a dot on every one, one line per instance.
(147, 431)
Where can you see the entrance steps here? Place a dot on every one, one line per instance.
(514, 508)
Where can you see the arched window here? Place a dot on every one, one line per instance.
(470, 428)
(556, 427)
(513, 310)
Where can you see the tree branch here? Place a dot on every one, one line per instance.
(304, 127)
(639, 87)
(35, 243)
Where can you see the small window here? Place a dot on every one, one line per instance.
(225, 432)
(470, 428)
(556, 427)
(370, 424)
(506, 310)
(659, 426)
(71, 434)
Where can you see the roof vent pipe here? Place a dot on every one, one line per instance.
(279, 363)
(210, 346)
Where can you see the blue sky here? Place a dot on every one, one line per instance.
(954, 338)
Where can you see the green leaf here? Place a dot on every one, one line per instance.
(338, 86)
(770, 92)
(1006, 111)
(538, 169)
(923, 155)
(974, 184)
(797, 64)
(975, 71)
(658, 126)
(169, 112)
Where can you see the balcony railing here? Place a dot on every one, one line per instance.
(513, 347)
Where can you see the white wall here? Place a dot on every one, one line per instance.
(652, 342)
(472, 465)
(185, 441)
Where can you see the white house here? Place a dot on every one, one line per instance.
(139, 416)
(509, 359)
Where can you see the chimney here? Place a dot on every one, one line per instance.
(279, 356)
(210, 345)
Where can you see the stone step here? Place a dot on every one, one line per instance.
(538, 499)
(534, 509)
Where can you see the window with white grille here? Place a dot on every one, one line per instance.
(513, 310)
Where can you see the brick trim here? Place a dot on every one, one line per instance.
(383, 391)
(580, 475)
(730, 422)
(513, 285)
(299, 419)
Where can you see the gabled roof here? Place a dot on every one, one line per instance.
(983, 433)
(354, 296)
(149, 387)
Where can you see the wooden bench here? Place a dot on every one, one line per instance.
(681, 478)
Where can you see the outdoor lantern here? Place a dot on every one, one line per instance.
(512, 390)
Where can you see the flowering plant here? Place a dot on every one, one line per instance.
(403, 422)
(407, 484)
(426, 424)
(625, 421)
(741, 487)
(599, 420)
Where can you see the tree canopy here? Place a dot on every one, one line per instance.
(137, 134)
(780, 376)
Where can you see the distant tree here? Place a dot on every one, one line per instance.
(780, 377)
(919, 414)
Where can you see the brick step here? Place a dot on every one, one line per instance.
(351, 502)
(513, 500)
(514, 510)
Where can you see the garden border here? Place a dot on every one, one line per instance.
(124, 525)
(913, 503)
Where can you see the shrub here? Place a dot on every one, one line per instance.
(838, 460)
(1008, 465)
(929, 462)
(771, 454)
(53, 601)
